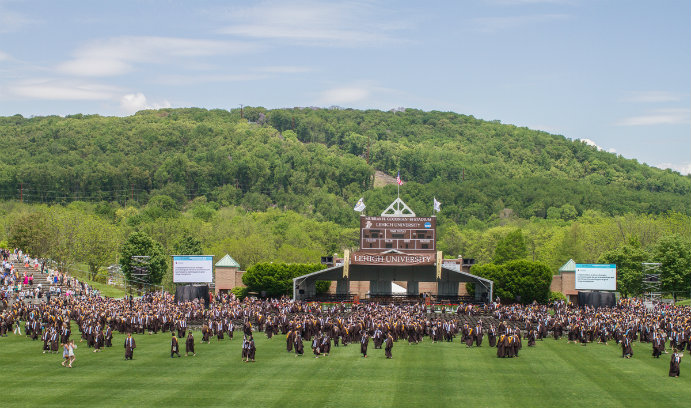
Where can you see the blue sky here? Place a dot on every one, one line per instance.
(617, 73)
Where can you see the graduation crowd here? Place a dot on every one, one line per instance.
(664, 327)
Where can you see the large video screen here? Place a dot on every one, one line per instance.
(596, 277)
(193, 268)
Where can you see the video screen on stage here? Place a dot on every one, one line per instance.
(404, 234)
(193, 268)
(596, 277)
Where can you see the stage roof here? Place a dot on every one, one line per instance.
(419, 273)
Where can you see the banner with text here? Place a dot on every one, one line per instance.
(392, 258)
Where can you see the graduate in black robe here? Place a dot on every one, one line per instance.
(326, 345)
(501, 348)
(492, 336)
(478, 335)
(626, 349)
(364, 342)
(189, 344)
(388, 346)
(290, 339)
(316, 346)
(674, 363)
(130, 345)
(469, 337)
(299, 347)
(532, 336)
(658, 344)
(174, 345)
(251, 350)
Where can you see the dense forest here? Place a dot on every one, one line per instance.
(315, 162)
(280, 185)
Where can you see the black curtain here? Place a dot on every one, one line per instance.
(190, 292)
(597, 299)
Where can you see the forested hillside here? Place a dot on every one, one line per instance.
(280, 185)
(315, 162)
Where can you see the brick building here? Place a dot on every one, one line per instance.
(227, 274)
(565, 282)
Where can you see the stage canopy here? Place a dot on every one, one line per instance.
(381, 277)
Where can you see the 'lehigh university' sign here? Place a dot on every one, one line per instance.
(392, 258)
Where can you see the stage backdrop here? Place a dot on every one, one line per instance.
(190, 292)
(596, 299)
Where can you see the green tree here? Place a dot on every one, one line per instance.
(96, 243)
(188, 245)
(518, 281)
(140, 244)
(674, 254)
(628, 259)
(322, 286)
(510, 248)
(29, 233)
(275, 279)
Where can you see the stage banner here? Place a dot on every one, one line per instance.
(440, 261)
(392, 258)
(346, 263)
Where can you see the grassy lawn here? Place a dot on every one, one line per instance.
(552, 374)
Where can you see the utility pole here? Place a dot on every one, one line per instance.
(242, 113)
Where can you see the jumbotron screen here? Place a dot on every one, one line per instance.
(596, 277)
(193, 268)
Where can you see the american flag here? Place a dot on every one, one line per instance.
(398, 179)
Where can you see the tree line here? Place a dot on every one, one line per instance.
(98, 235)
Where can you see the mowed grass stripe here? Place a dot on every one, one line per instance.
(550, 374)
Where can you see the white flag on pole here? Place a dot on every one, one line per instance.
(360, 206)
(437, 205)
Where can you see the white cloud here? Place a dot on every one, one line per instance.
(595, 145)
(4, 56)
(652, 97)
(52, 89)
(95, 67)
(672, 116)
(131, 103)
(684, 168)
(11, 21)
(364, 94)
(344, 95)
(117, 56)
(315, 22)
(495, 24)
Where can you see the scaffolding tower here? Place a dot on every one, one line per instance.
(651, 284)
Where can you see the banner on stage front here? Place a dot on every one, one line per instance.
(391, 258)
(596, 277)
(193, 268)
